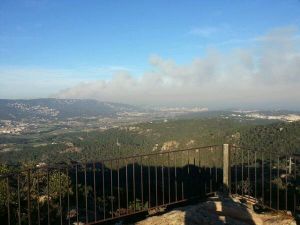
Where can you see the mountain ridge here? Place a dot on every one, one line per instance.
(54, 108)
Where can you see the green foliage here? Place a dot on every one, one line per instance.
(148, 137)
(137, 205)
(278, 137)
(59, 185)
(137, 139)
(3, 189)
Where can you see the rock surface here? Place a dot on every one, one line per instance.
(218, 210)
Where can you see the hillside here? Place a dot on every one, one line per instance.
(148, 137)
(50, 108)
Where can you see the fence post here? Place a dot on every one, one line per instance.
(290, 165)
(226, 169)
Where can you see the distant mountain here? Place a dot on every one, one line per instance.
(51, 108)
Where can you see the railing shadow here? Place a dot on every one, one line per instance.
(136, 188)
(99, 192)
(269, 178)
(117, 188)
(218, 210)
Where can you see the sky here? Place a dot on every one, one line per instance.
(215, 54)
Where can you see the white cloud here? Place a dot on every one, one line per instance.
(36, 82)
(265, 75)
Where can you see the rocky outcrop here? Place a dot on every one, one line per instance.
(170, 145)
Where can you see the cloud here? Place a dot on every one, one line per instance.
(267, 75)
(33, 82)
(37, 82)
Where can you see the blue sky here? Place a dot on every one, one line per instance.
(48, 46)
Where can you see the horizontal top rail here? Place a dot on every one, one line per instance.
(64, 165)
(99, 191)
(260, 150)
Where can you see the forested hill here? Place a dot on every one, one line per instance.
(151, 137)
(277, 137)
(51, 108)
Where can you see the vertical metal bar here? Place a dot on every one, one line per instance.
(149, 185)
(248, 172)
(119, 200)
(255, 176)
(175, 176)
(199, 163)
(38, 202)
(111, 190)
(200, 172)
(48, 197)
(182, 169)
(242, 171)
(103, 190)
(216, 176)
(95, 195)
(19, 201)
(126, 170)
(29, 197)
(194, 161)
(278, 177)
(205, 180)
(163, 183)
(188, 166)
(286, 183)
(156, 202)
(133, 177)
(60, 198)
(235, 170)
(142, 183)
(8, 201)
(169, 180)
(262, 178)
(194, 167)
(210, 180)
(85, 195)
(76, 190)
(68, 195)
(295, 183)
(270, 180)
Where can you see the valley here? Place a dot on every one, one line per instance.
(130, 130)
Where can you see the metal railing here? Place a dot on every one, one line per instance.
(100, 191)
(271, 178)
